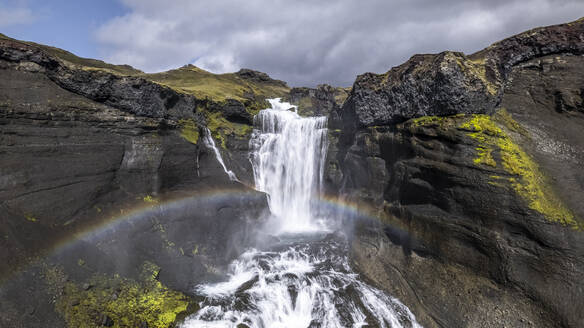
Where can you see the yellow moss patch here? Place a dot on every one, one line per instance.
(150, 199)
(477, 68)
(30, 217)
(189, 130)
(485, 156)
(433, 120)
(502, 116)
(127, 302)
(527, 179)
(427, 120)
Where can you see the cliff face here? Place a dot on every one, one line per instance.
(102, 174)
(471, 165)
(474, 162)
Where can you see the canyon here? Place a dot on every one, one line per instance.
(458, 179)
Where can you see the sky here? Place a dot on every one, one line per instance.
(303, 42)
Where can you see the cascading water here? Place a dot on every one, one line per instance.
(288, 155)
(210, 143)
(304, 279)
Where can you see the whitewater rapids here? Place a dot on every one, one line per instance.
(302, 278)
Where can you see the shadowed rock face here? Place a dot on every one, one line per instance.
(477, 178)
(473, 163)
(101, 174)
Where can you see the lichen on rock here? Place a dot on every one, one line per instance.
(525, 176)
(126, 302)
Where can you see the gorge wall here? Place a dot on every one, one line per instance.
(475, 165)
(470, 168)
(105, 176)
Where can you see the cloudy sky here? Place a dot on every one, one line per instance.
(302, 42)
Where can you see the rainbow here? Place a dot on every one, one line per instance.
(143, 209)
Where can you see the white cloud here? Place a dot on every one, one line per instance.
(15, 16)
(308, 42)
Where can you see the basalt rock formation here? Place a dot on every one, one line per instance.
(470, 167)
(474, 164)
(107, 190)
(451, 83)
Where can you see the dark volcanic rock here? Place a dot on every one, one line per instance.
(452, 83)
(465, 240)
(131, 94)
(113, 169)
(443, 84)
(257, 76)
(235, 111)
(319, 101)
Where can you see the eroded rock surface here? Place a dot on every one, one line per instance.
(474, 164)
(101, 174)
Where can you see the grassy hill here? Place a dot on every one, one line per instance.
(246, 85)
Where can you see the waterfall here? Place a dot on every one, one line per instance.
(210, 143)
(302, 279)
(288, 155)
(306, 285)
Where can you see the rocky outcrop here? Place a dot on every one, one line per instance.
(256, 76)
(320, 101)
(473, 164)
(127, 93)
(451, 83)
(102, 174)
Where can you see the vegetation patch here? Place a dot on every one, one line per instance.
(427, 121)
(150, 199)
(30, 217)
(80, 62)
(122, 302)
(217, 87)
(189, 130)
(443, 122)
(526, 176)
(221, 128)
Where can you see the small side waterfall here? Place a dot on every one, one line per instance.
(210, 143)
(288, 155)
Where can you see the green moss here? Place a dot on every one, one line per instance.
(217, 87)
(150, 199)
(427, 121)
(526, 177)
(253, 108)
(485, 156)
(502, 116)
(477, 68)
(221, 128)
(127, 302)
(189, 130)
(30, 217)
